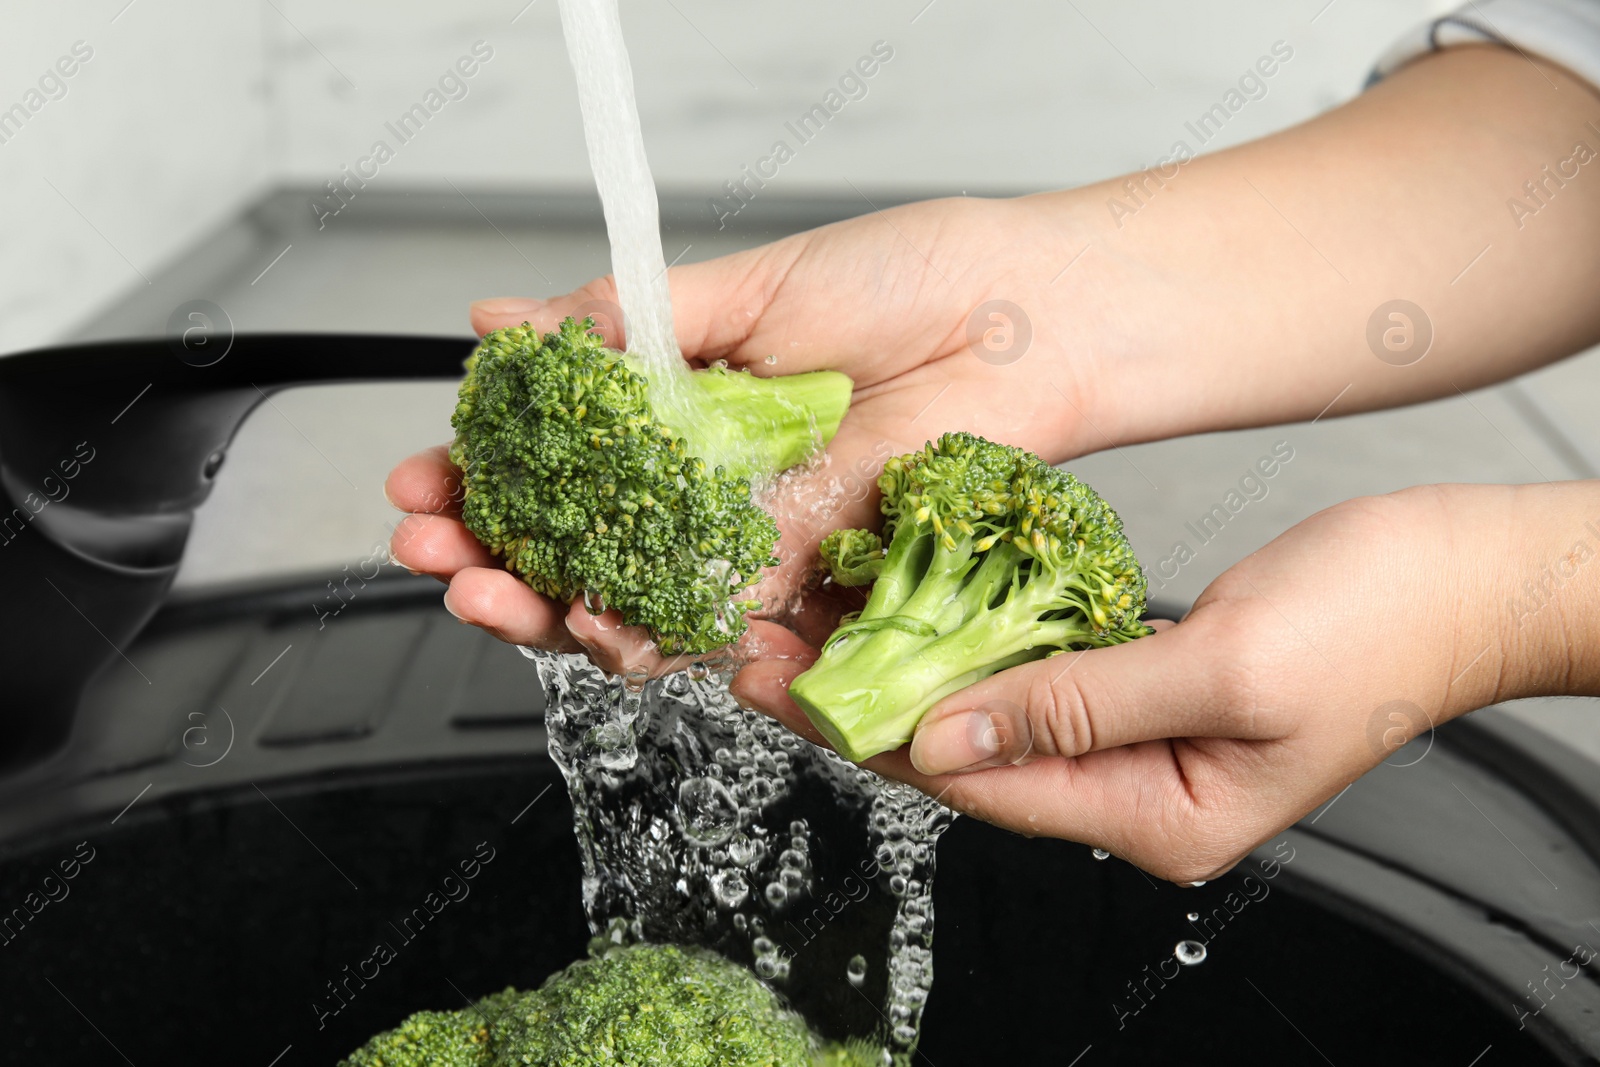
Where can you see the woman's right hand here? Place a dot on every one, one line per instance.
(920, 305)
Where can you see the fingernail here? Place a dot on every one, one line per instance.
(389, 498)
(960, 742)
(508, 305)
(450, 609)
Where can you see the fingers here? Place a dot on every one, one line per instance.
(1168, 685)
(426, 482)
(497, 601)
(764, 685)
(715, 305)
(437, 545)
(1135, 801)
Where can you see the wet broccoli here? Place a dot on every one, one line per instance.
(627, 1007)
(994, 558)
(430, 1039)
(589, 478)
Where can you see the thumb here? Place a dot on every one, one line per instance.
(1170, 684)
(716, 305)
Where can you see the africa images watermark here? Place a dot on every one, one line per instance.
(851, 87)
(1540, 591)
(51, 85)
(343, 989)
(453, 84)
(53, 888)
(54, 488)
(1251, 487)
(1538, 192)
(1542, 994)
(1141, 188)
(1253, 888)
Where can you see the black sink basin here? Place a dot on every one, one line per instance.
(204, 870)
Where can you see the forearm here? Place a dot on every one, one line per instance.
(1504, 580)
(1543, 606)
(1240, 290)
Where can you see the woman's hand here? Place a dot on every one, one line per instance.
(1240, 289)
(889, 299)
(1298, 670)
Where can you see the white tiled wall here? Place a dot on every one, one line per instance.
(160, 134)
(188, 109)
(1007, 96)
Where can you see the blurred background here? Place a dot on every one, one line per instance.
(230, 153)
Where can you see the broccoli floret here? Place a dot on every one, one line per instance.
(655, 1004)
(854, 557)
(628, 1007)
(429, 1039)
(588, 477)
(994, 558)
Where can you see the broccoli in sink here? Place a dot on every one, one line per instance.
(638, 1006)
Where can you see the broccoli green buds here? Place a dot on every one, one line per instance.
(591, 480)
(994, 558)
(629, 1007)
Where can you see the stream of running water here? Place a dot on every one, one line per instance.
(700, 822)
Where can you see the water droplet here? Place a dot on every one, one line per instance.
(719, 364)
(698, 671)
(1193, 916)
(709, 812)
(635, 678)
(771, 359)
(1189, 953)
(1100, 854)
(593, 604)
(856, 971)
(744, 851)
(730, 887)
(777, 895)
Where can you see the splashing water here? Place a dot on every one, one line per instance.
(702, 823)
(698, 822)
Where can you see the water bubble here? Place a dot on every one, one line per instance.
(777, 895)
(708, 811)
(771, 359)
(730, 887)
(744, 850)
(856, 970)
(635, 678)
(1100, 854)
(698, 671)
(1193, 916)
(1189, 953)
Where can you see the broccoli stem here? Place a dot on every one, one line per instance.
(875, 682)
(752, 427)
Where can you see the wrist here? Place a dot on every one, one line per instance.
(1548, 610)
